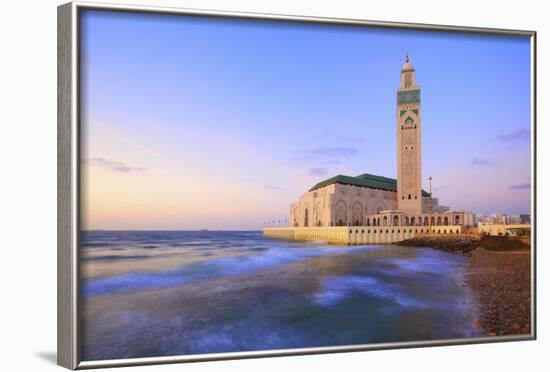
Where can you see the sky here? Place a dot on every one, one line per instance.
(211, 123)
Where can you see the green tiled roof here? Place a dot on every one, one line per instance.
(363, 180)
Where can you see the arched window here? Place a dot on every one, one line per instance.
(446, 221)
(306, 218)
(426, 222)
(341, 213)
(357, 214)
(368, 221)
(457, 220)
(406, 220)
(413, 221)
(385, 220)
(438, 221)
(409, 196)
(395, 220)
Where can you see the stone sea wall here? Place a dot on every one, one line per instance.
(353, 235)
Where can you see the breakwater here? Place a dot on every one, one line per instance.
(458, 243)
(355, 235)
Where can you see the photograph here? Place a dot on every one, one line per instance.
(253, 184)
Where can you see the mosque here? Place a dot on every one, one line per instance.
(371, 200)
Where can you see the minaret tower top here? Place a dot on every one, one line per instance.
(407, 75)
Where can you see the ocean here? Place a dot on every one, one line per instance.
(165, 293)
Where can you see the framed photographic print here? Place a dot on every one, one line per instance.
(235, 185)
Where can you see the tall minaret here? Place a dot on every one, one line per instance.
(409, 143)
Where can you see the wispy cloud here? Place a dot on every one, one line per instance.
(517, 135)
(520, 186)
(482, 162)
(339, 137)
(333, 151)
(318, 171)
(442, 188)
(322, 156)
(274, 188)
(115, 166)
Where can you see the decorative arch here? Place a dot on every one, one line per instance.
(426, 221)
(457, 220)
(341, 213)
(318, 213)
(378, 207)
(357, 214)
(439, 221)
(395, 220)
(446, 221)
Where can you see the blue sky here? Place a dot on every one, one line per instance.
(225, 122)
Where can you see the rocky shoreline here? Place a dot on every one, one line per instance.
(462, 244)
(501, 281)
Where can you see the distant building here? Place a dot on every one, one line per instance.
(371, 200)
(520, 219)
(499, 219)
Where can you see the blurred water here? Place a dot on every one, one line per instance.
(177, 293)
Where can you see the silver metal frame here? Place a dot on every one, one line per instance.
(68, 181)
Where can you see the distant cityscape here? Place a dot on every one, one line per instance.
(502, 219)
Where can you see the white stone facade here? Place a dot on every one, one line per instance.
(340, 205)
(347, 205)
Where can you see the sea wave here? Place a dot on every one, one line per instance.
(233, 265)
(339, 288)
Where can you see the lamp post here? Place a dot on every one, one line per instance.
(430, 205)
